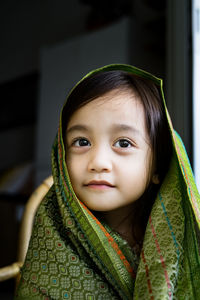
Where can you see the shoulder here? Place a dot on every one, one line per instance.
(48, 211)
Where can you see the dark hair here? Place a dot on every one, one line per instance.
(99, 84)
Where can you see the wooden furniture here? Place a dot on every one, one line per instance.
(13, 270)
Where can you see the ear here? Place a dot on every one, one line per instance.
(155, 179)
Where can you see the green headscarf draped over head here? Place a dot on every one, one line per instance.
(72, 255)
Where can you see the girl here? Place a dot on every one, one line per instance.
(122, 218)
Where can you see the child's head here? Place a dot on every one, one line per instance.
(115, 124)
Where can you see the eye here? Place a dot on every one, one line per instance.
(81, 142)
(123, 143)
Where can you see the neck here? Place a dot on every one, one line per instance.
(121, 221)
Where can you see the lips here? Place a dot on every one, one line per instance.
(99, 184)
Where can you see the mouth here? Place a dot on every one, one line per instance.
(99, 184)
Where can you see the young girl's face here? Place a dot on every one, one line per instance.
(108, 151)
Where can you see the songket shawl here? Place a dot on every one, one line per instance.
(72, 255)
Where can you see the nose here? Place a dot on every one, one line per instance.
(100, 160)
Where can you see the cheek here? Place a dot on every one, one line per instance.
(70, 167)
(74, 167)
(136, 171)
(134, 184)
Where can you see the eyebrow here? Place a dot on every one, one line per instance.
(114, 128)
(125, 127)
(78, 127)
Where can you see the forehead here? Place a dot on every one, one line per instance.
(119, 102)
(115, 108)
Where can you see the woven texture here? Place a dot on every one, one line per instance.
(73, 256)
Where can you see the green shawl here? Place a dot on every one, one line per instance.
(72, 255)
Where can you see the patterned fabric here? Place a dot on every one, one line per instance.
(72, 255)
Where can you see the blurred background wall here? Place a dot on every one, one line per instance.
(46, 46)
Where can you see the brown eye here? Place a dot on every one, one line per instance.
(81, 142)
(123, 143)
